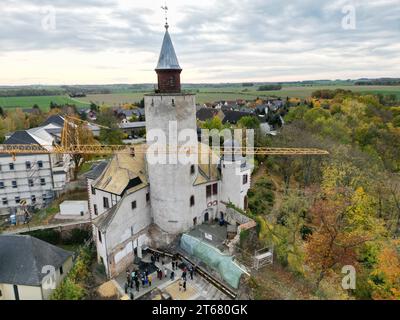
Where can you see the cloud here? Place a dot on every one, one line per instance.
(233, 40)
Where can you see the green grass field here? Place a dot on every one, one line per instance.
(43, 102)
(203, 95)
(214, 94)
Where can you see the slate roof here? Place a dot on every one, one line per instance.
(21, 137)
(55, 119)
(234, 116)
(96, 170)
(106, 218)
(23, 257)
(206, 114)
(168, 59)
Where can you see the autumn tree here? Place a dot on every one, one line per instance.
(78, 134)
(385, 278)
(332, 243)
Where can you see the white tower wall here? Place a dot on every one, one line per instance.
(171, 185)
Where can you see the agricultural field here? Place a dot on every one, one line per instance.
(204, 94)
(42, 101)
(233, 93)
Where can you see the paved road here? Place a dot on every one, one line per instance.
(45, 227)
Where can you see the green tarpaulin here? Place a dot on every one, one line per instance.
(213, 258)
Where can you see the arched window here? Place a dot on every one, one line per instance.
(192, 201)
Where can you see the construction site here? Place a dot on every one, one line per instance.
(176, 223)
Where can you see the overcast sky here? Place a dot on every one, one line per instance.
(118, 41)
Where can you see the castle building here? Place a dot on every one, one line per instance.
(135, 202)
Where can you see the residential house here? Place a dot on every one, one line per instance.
(30, 269)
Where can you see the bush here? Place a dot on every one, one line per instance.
(68, 290)
(50, 236)
(72, 287)
(77, 236)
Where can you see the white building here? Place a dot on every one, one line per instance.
(30, 269)
(35, 178)
(134, 202)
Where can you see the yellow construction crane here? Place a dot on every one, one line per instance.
(70, 144)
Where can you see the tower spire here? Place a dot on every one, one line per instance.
(168, 69)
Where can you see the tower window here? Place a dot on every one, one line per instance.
(42, 181)
(14, 184)
(106, 204)
(173, 102)
(208, 191)
(215, 188)
(147, 197)
(30, 182)
(134, 205)
(28, 165)
(1, 185)
(245, 179)
(93, 190)
(17, 200)
(11, 166)
(40, 164)
(99, 233)
(5, 201)
(33, 198)
(192, 169)
(192, 201)
(95, 209)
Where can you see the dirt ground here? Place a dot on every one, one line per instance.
(275, 283)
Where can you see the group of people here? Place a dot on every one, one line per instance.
(182, 284)
(135, 278)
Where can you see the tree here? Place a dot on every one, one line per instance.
(385, 278)
(249, 122)
(331, 244)
(214, 123)
(79, 134)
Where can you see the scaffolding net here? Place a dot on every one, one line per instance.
(213, 258)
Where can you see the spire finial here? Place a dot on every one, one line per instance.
(165, 8)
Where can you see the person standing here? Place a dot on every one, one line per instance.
(149, 279)
(184, 285)
(137, 284)
(172, 275)
(165, 272)
(191, 273)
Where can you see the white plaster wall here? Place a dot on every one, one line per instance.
(233, 189)
(101, 247)
(171, 184)
(204, 204)
(98, 200)
(128, 222)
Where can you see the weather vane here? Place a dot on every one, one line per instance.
(165, 8)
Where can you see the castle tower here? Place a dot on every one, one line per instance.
(171, 184)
